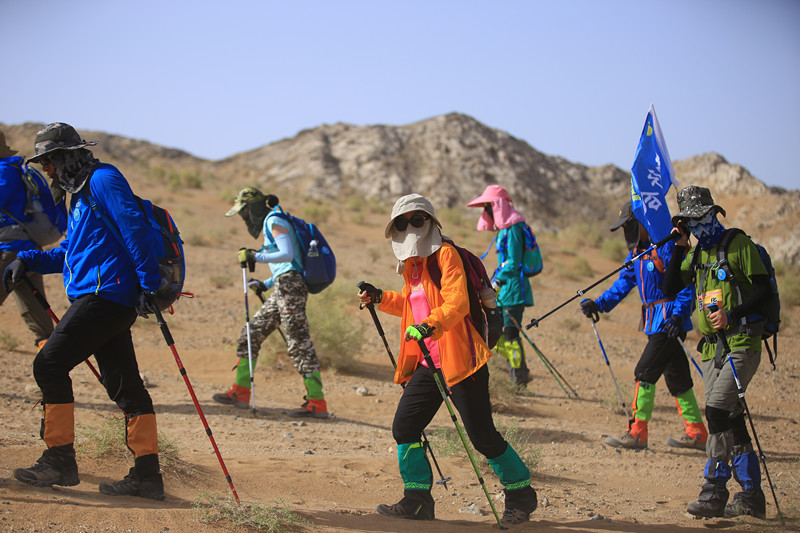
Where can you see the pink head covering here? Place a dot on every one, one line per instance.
(503, 210)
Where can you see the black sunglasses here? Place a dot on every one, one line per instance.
(400, 224)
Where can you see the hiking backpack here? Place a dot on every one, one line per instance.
(319, 263)
(171, 259)
(49, 221)
(531, 256)
(767, 322)
(483, 310)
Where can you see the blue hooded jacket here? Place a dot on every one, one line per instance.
(91, 257)
(13, 197)
(647, 273)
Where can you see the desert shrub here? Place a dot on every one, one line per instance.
(570, 324)
(315, 213)
(357, 218)
(220, 282)
(446, 442)
(788, 283)
(188, 179)
(583, 235)
(614, 249)
(8, 341)
(337, 336)
(108, 440)
(275, 518)
(451, 219)
(581, 268)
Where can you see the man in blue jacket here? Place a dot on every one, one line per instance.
(108, 284)
(13, 197)
(665, 321)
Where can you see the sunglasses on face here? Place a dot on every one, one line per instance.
(400, 224)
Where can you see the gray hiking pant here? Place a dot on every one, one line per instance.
(722, 393)
(35, 316)
(285, 306)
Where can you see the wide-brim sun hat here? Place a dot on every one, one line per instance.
(408, 203)
(245, 196)
(490, 194)
(57, 136)
(694, 202)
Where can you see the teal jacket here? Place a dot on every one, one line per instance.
(515, 288)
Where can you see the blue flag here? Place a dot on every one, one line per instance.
(651, 177)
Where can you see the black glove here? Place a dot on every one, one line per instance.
(375, 294)
(418, 332)
(589, 308)
(13, 274)
(673, 327)
(257, 285)
(146, 303)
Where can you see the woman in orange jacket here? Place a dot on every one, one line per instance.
(440, 317)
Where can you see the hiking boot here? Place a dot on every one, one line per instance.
(627, 441)
(521, 376)
(56, 466)
(236, 396)
(711, 502)
(748, 502)
(687, 442)
(151, 487)
(311, 408)
(520, 503)
(411, 506)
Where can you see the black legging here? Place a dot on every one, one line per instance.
(663, 355)
(421, 400)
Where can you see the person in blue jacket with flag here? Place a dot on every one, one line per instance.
(13, 197)
(108, 285)
(665, 321)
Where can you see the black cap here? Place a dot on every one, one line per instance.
(625, 216)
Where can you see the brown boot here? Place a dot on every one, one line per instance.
(56, 466)
(415, 505)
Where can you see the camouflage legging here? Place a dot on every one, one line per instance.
(285, 306)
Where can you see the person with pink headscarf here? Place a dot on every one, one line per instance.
(514, 288)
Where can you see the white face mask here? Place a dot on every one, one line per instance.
(416, 242)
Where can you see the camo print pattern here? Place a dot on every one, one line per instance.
(694, 202)
(57, 136)
(245, 196)
(285, 306)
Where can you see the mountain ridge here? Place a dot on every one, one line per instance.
(451, 158)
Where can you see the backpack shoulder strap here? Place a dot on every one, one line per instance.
(434, 270)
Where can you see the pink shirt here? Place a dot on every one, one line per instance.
(421, 309)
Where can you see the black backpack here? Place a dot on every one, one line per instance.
(768, 321)
(486, 319)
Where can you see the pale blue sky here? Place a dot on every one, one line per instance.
(572, 78)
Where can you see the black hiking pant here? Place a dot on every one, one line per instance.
(93, 325)
(421, 400)
(665, 356)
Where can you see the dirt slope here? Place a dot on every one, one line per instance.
(334, 472)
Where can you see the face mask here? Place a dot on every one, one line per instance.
(631, 231)
(72, 168)
(416, 241)
(707, 230)
(253, 217)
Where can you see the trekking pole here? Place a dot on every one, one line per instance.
(260, 295)
(535, 321)
(252, 266)
(442, 480)
(43, 302)
(594, 318)
(171, 343)
(547, 363)
(689, 355)
(440, 384)
(726, 349)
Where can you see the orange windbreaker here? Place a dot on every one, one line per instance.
(462, 351)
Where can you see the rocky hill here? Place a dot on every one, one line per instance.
(450, 158)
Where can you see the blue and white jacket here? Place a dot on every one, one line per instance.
(91, 257)
(647, 273)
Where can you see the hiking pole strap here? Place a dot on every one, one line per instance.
(440, 383)
(721, 338)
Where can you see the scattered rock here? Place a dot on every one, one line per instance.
(471, 509)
